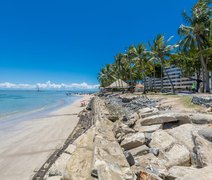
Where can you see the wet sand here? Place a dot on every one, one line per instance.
(24, 150)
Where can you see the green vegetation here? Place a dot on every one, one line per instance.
(193, 53)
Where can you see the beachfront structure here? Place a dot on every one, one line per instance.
(180, 83)
(120, 84)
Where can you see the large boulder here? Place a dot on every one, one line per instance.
(151, 163)
(183, 134)
(133, 140)
(162, 140)
(144, 111)
(202, 150)
(144, 115)
(164, 118)
(177, 155)
(109, 161)
(206, 133)
(146, 174)
(131, 119)
(187, 173)
(149, 129)
(141, 150)
(120, 130)
(82, 157)
(170, 152)
(201, 118)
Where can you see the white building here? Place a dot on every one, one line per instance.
(180, 83)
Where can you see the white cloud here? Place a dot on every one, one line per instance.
(48, 85)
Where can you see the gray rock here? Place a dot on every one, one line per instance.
(147, 175)
(94, 173)
(202, 150)
(55, 172)
(133, 140)
(208, 110)
(188, 173)
(122, 129)
(139, 151)
(162, 118)
(127, 100)
(144, 115)
(148, 129)
(54, 178)
(145, 110)
(177, 155)
(129, 158)
(170, 152)
(206, 133)
(149, 161)
(82, 157)
(113, 117)
(148, 137)
(201, 118)
(202, 101)
(154, 151)
(162, 140)
(183, 134)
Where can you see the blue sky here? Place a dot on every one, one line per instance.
(67, 41)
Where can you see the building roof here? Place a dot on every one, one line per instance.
(139, 86)
(118, 84)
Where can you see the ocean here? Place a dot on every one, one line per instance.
(17, 104)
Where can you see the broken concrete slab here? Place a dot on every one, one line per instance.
(206, 133)
(201, 118)
(139, 151)
(133, 140)
(148, 129)
(162, 140)
(186, 173)
(167, 117)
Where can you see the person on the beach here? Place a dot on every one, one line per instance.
(193, 87)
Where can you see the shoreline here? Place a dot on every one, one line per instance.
(40, 112)
(28, 147)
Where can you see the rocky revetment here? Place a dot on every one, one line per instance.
(135, 137)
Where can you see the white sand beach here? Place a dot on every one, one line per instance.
(26, 149)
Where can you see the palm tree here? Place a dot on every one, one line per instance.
(128, 57)
(140, 57)
(119, 63)
(197, 34)
(160, 51)
(107, 75)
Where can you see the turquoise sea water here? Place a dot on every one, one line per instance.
(16, 103)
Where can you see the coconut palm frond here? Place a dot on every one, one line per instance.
(187, 19)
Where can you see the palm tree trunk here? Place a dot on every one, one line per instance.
(144, 84)
(207, 87)
(130, 73)
(161, 78)
(173, 90)
(198, 80)
(144, 76)
(154, 79)
(205, 74)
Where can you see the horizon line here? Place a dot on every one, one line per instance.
(49, 86)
